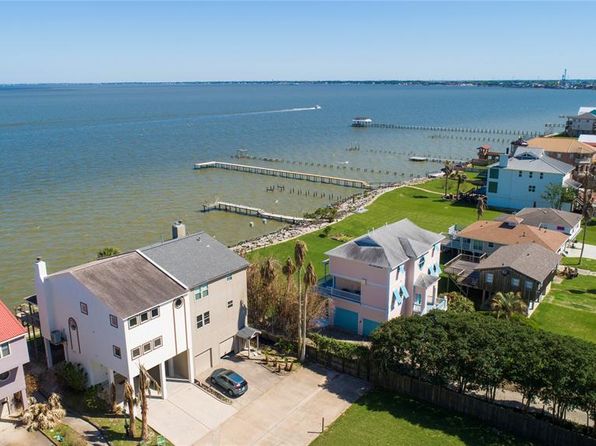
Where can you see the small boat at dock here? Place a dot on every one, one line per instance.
(418, 158)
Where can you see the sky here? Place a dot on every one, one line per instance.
(209, 41)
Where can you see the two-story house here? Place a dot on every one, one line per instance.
(483, 237)
(156, 306)
(568, 223)
(569, 150)
(389, 272)
(584, 123)
(520, 181)
(13, 355)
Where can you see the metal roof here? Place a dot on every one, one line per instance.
(195, 260)
(388, 246)
(534, 160)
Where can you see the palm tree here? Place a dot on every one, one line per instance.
(461, 178)
(300, 250)
(144, 381)
(129, 396)
(480, 207)
(288, 270)
(508, 304)
(447, 170)
(310, 280)
(268, 271)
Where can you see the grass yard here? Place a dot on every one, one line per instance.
(64, 435)
(570, 309)
(427, 210)
(384, 418)
(591, 234)
(589, 264)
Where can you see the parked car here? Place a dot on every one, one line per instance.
(230, 381)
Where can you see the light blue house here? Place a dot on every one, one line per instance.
(520, 181)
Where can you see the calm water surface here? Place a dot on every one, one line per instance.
(83, 167)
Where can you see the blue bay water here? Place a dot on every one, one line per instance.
(83, 167)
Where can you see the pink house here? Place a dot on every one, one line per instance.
(389, 272)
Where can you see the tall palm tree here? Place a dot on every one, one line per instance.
(288, 270)
(130, 400)
(310, 280)
(268, 271)
(508, 304)
(145, 379)
(480, 207)
(461, 178)
(300, 250)
(447, 170)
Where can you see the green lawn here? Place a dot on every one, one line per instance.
(427, 210)
(589, 264)
(570, 309)
(384, 418)
(591, 235)
(64, 435)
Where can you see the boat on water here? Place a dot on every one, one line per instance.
(418, 158)
(317, 107)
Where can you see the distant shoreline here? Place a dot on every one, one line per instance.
(576, 84)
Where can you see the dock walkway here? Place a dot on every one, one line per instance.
(294, 175)
(252, 211)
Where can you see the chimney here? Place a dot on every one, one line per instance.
(40, 274)
(178, 229)
(503, 160)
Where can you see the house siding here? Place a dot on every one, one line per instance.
(13, 363)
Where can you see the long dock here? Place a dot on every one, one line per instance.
(325, 179)
(449, 129)
(248, 210)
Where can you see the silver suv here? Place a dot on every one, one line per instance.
(230, 381)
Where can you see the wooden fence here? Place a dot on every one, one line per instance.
(498, 416)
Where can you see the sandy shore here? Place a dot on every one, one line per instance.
(345, 208)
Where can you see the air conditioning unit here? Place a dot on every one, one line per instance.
(56, 337)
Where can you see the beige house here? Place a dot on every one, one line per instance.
(569, 150)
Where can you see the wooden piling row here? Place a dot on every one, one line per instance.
(252, 211)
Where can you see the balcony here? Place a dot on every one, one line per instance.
(326, 287)
(440, 304)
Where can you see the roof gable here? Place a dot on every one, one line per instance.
(10, 327)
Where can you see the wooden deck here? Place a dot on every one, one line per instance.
(294, 175)
(252, 211)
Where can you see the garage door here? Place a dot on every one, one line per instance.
(203, 361)
(369, 326)
(346, 320)
(226, 347)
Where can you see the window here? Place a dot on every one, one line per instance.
(494, 173)
(491, 245)
(146, 347)
(4, 350)
(529, 284)
(202, 291)
(178, 303)
(541, 175)
(514, 282)
(116, 351)
(229, 278)
(559, 155)
(531, 188)
(531, 174)
(230, 303)
(489, 277)
(519, 173)
(155, 312)
(393, 301)
(478, 245)
(206, 318)
(135, 353)
(144, 317)
(133, 322)
(4, 376)
(418, 299)
(84, 308)
(493, 187)
(421, 261)
(560, 228)
(467, 241)
(199, 321)
(157, 343)
(113, 321)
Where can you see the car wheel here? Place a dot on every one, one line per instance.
(230, 392)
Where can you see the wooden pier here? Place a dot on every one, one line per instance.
(255, 212)
(449, 129)
(324, 179)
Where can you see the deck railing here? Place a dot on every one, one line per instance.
(326, 288)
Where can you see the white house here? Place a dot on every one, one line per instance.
(583, 123)
(389, 272)
(156, 306)
(520, 181)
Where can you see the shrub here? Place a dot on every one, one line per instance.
(42, 416)
(72, 375)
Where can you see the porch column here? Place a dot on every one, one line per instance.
(110, 377)
(191, 365)
(48, 350)
(162, 380)
(170, 363)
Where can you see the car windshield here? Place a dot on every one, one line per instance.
(234, 377)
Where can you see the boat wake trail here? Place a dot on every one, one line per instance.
(283, 110)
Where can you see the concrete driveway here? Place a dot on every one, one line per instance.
(13, 435)
(275, 410)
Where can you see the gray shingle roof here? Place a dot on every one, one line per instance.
(529, 259)
(538, 216)
(127, 284)
(196, 259)
(534, 160)
(388, 246)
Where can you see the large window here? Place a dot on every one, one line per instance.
(203, 319)
(4, 350)
(494, 173)
(515, 282)
(493, 186)
(478, 245)
(489, 278)
(202, 291)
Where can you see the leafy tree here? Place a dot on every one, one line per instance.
(556, 195)
(508, 304)
(108, 251)
(458, 303)
(72, 375)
